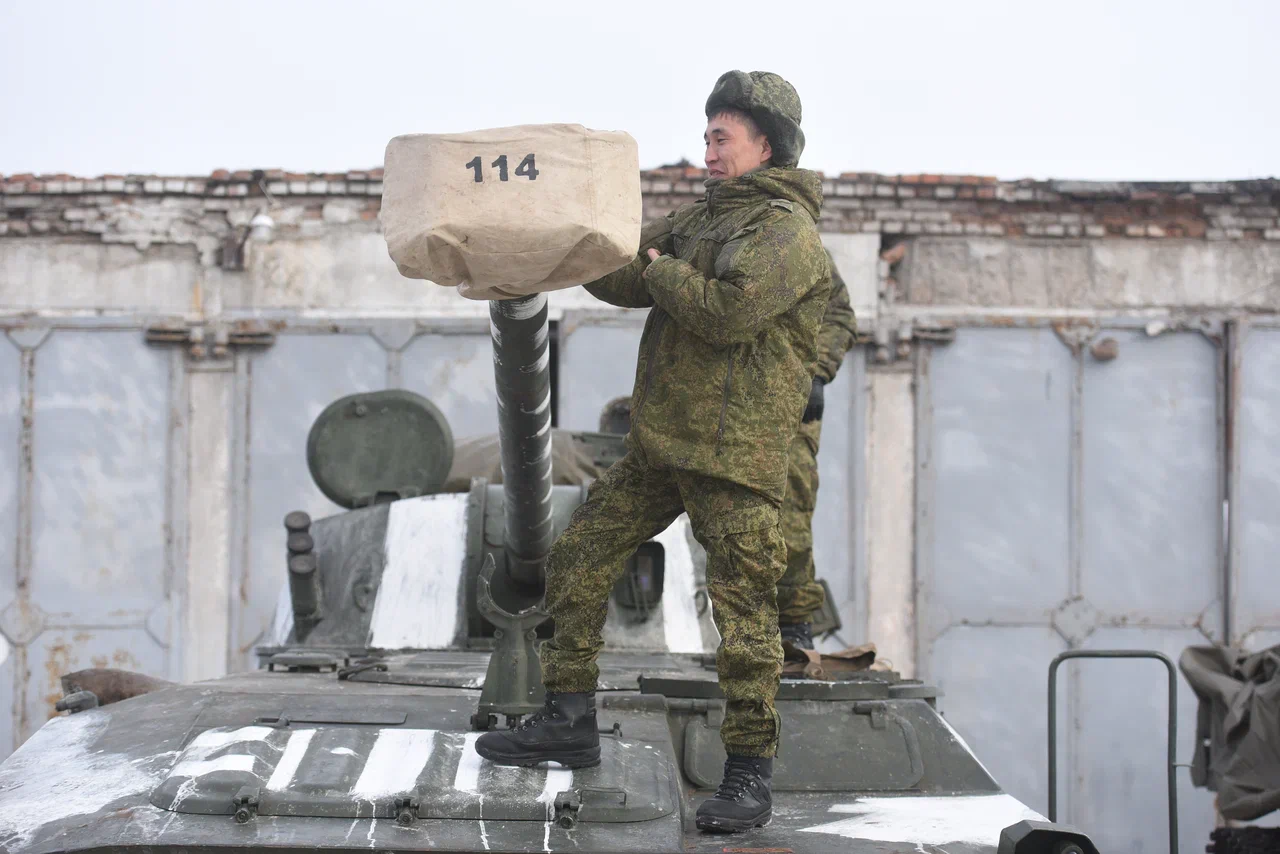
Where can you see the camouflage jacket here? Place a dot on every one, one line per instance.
(731, 344)
(835, 338)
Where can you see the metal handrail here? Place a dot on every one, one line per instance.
(1172, 727)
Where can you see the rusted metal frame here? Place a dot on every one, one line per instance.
(177, 519)
(1213, 326)
(26, 468)
(118, 320)
(283, 322)
(1239, 330)
(1270, 325)
(30, 337)
(1229, 375)
(26, 504)
(1075, 477)
(68, 622)
(1075, 556)
(1173, 320)
(1116, 622)
(1233, 364)
(924, 500)
(395, 368)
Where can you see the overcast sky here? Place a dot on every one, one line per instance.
(1090, 89)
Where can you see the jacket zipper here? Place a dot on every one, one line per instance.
(724, 403)
(653, 355)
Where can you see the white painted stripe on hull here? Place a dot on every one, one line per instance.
(558, 780)
(199, 767)
(394, 763)
(417, 605)
(467, 779)
(210, 740)
(294, 750)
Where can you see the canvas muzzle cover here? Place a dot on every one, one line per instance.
(507, 212)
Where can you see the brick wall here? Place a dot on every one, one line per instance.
(148, 209)
(983, 206)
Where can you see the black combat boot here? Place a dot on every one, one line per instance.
(799, 634)
(564, 731)
(744, 799)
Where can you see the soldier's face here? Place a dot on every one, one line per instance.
(731, 151)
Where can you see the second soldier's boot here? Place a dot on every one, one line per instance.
(744, 799)
(800, 634)
(564, 730)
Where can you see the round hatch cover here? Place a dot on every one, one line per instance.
(379, 446)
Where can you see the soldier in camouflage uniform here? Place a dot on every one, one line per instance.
(799, 593)
(737, 284)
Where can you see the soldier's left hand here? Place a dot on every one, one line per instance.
(813, 412)
(654, 255)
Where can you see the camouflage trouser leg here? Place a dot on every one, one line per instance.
(799, 593)
(745, 558)
(746, 555)
(629, 504)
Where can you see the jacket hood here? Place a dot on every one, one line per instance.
(799, 186)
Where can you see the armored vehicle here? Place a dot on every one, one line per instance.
(408, 625)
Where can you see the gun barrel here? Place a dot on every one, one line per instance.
(522, 369)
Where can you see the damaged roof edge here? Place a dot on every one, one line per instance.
(664, 179)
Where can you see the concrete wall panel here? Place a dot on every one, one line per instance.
(995, 273)
(50, 274)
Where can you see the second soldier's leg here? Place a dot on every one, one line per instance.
(799, 593)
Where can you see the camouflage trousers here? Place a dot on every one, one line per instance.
(799, 593)
(633, 502)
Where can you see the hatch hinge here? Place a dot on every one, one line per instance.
(406, 810)
(245, 804)
(212, 342)
(567, 804)
(359, 667)
(875, 711)
(603, 803)
(301, 661)
(892, 343)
